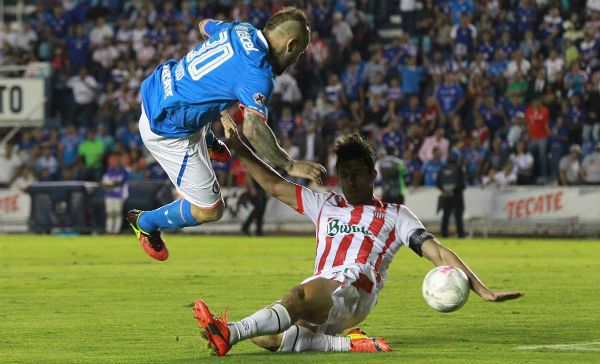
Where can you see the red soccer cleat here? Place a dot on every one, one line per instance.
(215, 329)
(152, 243)
(361, 343)
(218, 151)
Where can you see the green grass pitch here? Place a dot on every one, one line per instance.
(100, 299)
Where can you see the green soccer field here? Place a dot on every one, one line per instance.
(100, 299)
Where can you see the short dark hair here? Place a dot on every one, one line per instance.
(285, 15)
(353, 147)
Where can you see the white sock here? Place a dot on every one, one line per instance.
(267, 321)
(298, 339)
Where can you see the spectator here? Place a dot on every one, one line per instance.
(464, 35)
(376, 66)
(554, 66)
(287, 87)
(10, 162)
(570, 167)
(91, 150)
(451, 181)
(84, 87)
(100, 33)
(530, 46)
(24, 179)
(378, 90)
(537, 117)
(574, 81)
(46, 166)
(341, 31)
(391, 171)
(575, 119)
(492, 115)
(432, 167)
(116, 190)
(523, 162)
(590, 167)
(392, 136)
(78, 48)
(258, 198)
(450, 96)
(507, 176)
(413, 168)
(518, 64)
(318, 50)
(431, 144)
(412, 76)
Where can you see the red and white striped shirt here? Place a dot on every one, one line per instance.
(369, 234)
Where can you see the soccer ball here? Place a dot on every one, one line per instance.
(446, 288)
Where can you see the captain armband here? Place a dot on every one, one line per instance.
(417, 238)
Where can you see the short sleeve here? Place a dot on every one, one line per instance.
(309, 203)
(254, 93)
(212, 26)
(406, 224)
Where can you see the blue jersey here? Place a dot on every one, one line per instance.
(181, 97)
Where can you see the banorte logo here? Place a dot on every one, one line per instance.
(335, 227)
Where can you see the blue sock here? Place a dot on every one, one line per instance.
(175, 215)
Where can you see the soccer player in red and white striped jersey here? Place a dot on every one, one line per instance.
(357, 237)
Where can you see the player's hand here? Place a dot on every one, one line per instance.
(492, 296)
(229, 126)
(309, 170)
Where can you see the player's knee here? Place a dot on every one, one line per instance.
(295, 301)
(269, 342)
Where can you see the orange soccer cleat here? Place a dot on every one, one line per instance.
(218, 151)
(215, 329)
(361, 343)
(152, 243)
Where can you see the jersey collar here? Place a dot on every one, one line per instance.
(262, 38)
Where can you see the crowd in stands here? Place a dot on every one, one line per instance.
(510, 87)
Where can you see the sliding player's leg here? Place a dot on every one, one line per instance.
(310, 301)
(309, 316)
(353, 299)
(186, 162)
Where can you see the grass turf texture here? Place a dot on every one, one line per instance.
(102, 300)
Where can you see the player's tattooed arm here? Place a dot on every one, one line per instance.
(261, 136)
(263, 140)
(273, 183)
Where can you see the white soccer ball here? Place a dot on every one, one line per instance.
(446, 288)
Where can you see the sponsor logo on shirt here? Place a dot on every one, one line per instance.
(245, 39)
(165, 77)
(335, 227)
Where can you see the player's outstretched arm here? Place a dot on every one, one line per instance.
(273, 183)
(263, 140)
(440, 255)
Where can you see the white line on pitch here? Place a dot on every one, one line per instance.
(587, 346)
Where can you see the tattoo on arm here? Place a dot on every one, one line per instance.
(263, 140)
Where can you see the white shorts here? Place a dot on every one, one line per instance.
(186, 162)
(352, 300)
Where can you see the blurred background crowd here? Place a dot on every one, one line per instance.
(510, 88)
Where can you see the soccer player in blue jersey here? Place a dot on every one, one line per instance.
(236, 64)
